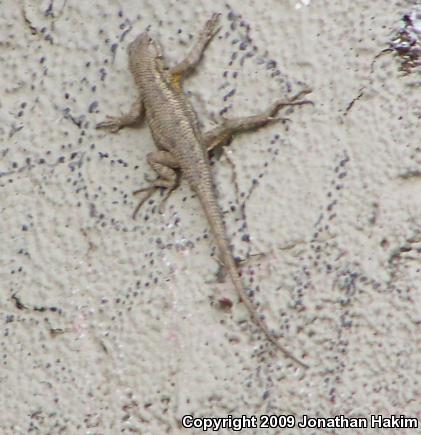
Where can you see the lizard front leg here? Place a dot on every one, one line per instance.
(181, 70)
(134, 116)
(165, 165)
(223, 134)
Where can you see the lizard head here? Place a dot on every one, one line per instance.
(144, 47)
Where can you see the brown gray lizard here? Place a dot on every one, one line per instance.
(181, 145)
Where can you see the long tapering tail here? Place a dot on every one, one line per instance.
(212, 211)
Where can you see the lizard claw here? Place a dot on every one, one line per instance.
(112, 123)
(292, 102)
(278, 119)
(144, 189)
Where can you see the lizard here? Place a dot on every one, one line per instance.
(181, 145)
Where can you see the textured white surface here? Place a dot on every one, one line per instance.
(118, 332)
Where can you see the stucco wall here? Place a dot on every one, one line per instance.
(111, 325)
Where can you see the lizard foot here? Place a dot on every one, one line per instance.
(211, 26)
(150, 190)
(112, 123)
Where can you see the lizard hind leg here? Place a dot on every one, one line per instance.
(165, 165)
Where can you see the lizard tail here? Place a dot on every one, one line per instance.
(208, 200)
